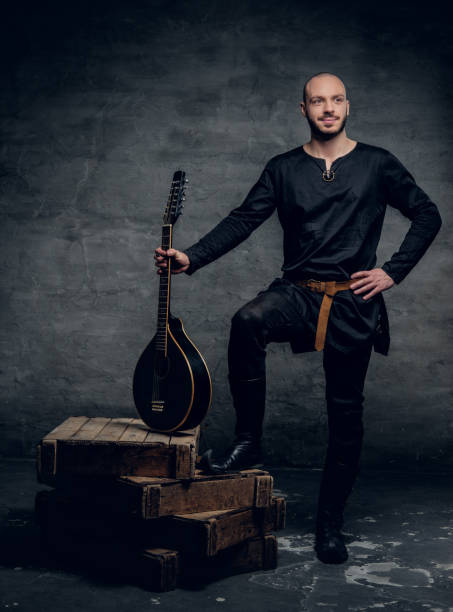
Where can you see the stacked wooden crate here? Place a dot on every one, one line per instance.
(132, 501)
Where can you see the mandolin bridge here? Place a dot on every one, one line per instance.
(157, 405)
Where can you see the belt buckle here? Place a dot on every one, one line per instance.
(319, 287)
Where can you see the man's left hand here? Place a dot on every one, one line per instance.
(374, 281)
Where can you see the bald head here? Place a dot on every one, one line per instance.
(318, 80)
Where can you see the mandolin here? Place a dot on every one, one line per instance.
(172, 386)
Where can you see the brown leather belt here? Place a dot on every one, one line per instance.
(329, 288)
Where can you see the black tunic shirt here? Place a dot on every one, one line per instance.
(332, 229)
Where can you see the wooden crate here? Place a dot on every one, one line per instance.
(125, 548)
(205, 534)
(254, 554)
(161, 569)
(198, 535)
(205, 492)
(149, 497)
(101, 446)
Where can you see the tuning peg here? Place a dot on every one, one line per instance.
(183, 199)
(186, 180)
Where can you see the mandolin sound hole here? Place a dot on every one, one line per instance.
(162, 366)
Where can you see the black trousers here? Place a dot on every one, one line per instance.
(272, 317)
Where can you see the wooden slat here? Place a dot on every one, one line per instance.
(135, 432)
(183, 437)
(47, 460)
(159, 568)
(91, 429)
(66, 429)
(157, 438)
(263, 491)
(113, 431)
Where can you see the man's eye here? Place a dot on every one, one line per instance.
(316, 101)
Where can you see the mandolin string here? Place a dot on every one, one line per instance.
(155, 387)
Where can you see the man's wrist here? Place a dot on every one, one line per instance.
(190, 268)
(391, 274)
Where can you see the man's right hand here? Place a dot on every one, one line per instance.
(180, 260)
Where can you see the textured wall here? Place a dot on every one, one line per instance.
(101, 103)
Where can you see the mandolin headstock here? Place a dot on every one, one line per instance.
(176, 198)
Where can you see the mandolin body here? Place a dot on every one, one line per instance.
(172, 391)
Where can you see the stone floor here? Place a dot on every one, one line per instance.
(399, 527)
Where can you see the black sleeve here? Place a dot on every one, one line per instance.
(404, 194)
(259, 204)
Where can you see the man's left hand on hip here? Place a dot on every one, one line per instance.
(374, 281)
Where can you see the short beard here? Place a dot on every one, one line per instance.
(316, 132)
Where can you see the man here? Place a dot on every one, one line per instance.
(330, 195)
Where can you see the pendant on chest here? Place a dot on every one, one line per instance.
(328, 175)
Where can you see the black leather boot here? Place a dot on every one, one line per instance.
(249, 398)
(336, 486)
(329, 541)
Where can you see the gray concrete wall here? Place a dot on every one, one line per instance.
(102, 102)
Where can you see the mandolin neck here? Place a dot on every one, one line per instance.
(163, 307)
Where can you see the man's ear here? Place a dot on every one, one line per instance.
(347, 107)
(303, 109)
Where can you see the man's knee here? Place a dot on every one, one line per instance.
(247, 319)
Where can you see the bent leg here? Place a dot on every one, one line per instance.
(275, 315)
(270, 317)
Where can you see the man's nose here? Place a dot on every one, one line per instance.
(328, 106)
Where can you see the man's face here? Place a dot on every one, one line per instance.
(326, 108)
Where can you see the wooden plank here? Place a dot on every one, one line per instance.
(185, 458)
(263, 490)
(203, 493)
(115, 459)
(46, 458)
(104, 500)
(67, 428)
(91, 428)
(155, 437)
(135, 432)
(280, 512)
(158, 569)
(113, 431)
(255, 554)
(182, 437)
